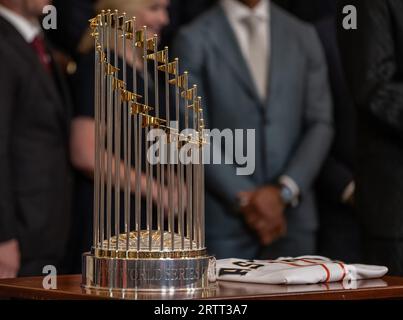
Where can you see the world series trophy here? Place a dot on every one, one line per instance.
(133, 248)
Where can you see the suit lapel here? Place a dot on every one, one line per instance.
(23, 48)
(226, 44)
(64, 94)
(277, 51)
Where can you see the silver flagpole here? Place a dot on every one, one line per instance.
(195, 179)
(134, 119)
(181, 180)
(157, 114)
(102, 133)
(166, 78)
(97, 147)
(109, 134)
(127, 140)
(149, 172)
(138, 141)
(202, 191)
(117, 108)
(188, 173)
(125, 132)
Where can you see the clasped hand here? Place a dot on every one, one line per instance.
(263, 210)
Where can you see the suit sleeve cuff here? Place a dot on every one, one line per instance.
(290, 183)
(348, 192)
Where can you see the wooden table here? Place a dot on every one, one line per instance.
(68, 287)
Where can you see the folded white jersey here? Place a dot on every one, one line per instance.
(300, 270)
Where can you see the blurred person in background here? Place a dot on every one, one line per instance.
(258, 67)
(373, 62)
(34, 130)
(309, 10)
(182, 12)
(72, 20)
(339, 235)
(154, 15)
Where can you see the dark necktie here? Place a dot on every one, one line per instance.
(40, 48)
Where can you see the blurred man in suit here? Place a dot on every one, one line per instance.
(373, 62)
(339, 235)
(258, 67)
(34, 129)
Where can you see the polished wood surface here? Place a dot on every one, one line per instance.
(68, 287)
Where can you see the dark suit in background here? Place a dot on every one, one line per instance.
(373, 61)
(309, 10)
(339, 232)
(182, 12)
(72, 19)
(34, 167)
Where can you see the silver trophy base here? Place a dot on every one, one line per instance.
(148, 274)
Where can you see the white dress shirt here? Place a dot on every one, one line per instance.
(237, 13)
(28, 29)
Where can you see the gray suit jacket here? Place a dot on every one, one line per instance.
(293, 126)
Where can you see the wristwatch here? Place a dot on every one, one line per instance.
(287, 195)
